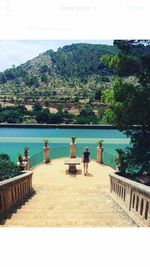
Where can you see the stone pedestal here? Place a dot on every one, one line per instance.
(23, 164)
(26, 161)
(72, 150)
(46, 154)
(72, 168)
(99, 155)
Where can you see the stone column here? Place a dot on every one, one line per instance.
(46, 154)
(99, 155)
(72, 150)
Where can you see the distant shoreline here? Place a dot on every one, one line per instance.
(64, 126)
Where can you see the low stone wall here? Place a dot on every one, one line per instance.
(133, 197)
(13, 190)
(63, 126)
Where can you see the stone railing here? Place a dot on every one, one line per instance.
(13, 191)
(133, 197)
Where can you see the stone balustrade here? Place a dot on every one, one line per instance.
(133, 197)
(99, 155)
(13, 190)
(46, 154)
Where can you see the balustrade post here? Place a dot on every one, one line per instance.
(72, 150)
(21, 164)
(99, 154)
(27, 166)
(46, 150)
(111, 184)
(148, 215)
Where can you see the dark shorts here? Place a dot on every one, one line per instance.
(85, 161)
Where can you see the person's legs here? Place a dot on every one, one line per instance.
(86, 167)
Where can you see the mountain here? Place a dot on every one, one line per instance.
(74, 70)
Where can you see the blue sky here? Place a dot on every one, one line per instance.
(19, 51)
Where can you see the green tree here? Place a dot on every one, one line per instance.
(42, 117)
(36, 107)
(44, 78)
(98, 95)
(4, 157)
(87, 116)
(34, 81)
(129, 103)
(8, 170)
(101, 112)
(46, 102)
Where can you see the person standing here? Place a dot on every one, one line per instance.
(85, 159)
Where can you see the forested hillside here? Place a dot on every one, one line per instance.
(80, 60)
(72, 71)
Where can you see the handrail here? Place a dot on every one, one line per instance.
(13, 191)
(59, 152)
(133, 197)
(36, 159)
(64, 151)
(109, 159)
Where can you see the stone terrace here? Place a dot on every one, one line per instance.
(70, 200)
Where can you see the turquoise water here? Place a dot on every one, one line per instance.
(57, 132)
(13, 140)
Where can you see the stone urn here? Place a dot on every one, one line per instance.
(26, 149)
(45, 143)
(20, 159)
(20, 162)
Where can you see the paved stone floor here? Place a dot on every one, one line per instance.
(70, 200)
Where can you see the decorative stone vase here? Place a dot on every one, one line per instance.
(45, 142)
(26, 149)
(20, 159)
(73, 139)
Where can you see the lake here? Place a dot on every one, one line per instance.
(13, 140)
